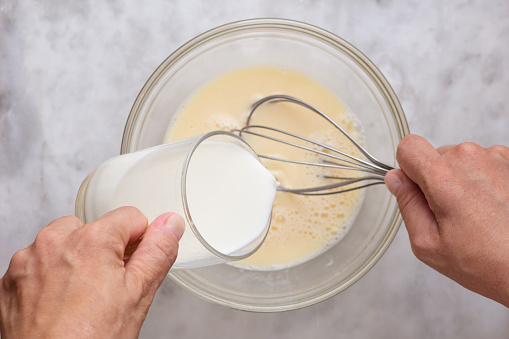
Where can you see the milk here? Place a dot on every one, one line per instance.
(229, 195)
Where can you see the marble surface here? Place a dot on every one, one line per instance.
(70, 71)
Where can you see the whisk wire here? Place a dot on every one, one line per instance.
(318, 190)
(374, 169)
(357, 164)
(287, 98)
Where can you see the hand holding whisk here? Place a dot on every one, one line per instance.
(372, 170)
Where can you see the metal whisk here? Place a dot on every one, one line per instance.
(372, 169)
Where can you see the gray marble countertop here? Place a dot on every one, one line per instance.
(70, 71)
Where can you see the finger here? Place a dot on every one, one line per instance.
(156, 252)
(444, 149)
(415, 156)
(125, 223)
(419, 219)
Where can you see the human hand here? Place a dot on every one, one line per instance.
(73, 280)
(455, 204)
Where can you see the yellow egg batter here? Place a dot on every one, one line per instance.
(302, 227)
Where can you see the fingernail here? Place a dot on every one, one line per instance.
(393, 182)
(176, 225)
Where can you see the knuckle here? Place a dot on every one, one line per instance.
(130, 212)
(469, 149)
(48, 236)
(500, 150)
(67, 218)
(64, 222)
(17, 268)
(57, 230)
(19, 259)
(70, 220)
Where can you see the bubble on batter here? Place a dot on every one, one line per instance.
(280, 219)
(221, 121)
(353, 127)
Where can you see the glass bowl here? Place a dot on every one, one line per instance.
(358, 84)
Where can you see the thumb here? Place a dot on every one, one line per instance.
(419, 220)
(156, 252)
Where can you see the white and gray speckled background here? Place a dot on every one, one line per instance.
(70, 71)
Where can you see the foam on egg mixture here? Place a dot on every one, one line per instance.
(302, 227)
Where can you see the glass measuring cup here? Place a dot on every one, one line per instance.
(155, 180)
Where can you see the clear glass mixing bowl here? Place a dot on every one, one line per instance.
(348, 74)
